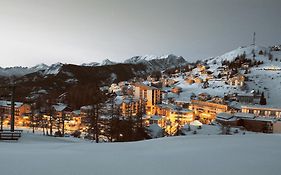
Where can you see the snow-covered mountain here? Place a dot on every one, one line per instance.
(53, 69)
(20, 71)
(150, 61)
(157, 62)
(92, 64)
(107, 62)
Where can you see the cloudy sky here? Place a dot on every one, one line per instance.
(79, 31)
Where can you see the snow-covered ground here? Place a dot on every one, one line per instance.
(240, 154)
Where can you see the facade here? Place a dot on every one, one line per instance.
(175, 114)
(237, 80)
(252, 98)
(130, 107)
(250, 122)
(207, 111)
(20, 108)
(22, 112)
(150, 95)
(262, 111)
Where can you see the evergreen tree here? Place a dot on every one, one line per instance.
(262, 99)
(270, 56)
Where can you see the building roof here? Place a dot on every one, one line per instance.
(196, 123)
(145, 87)
(5, 103)
(77, 112)
(266, 107)
(225, 115)
(60, 107)
(155, 117)
(243, 115)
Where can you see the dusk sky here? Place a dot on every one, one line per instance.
(83, 31)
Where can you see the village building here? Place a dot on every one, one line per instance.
(167, 82)
(22, 112)
(237, 80)
(249, 98)
(189, 80)
(130, 107)
(63, 115)
(198, 80)
(206, 110)
(176, 89)
(174, 113)
(151, 96)
(249, 122)
(204, 96)
(262, 110)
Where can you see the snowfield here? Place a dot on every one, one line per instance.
(252, 154)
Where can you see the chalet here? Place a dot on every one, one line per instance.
(167, 81)
(217, 99)
(238, 80)
(176, 89)
(156, 119)
(249, 98)
(204, 96)
(189, 81)
(198, 80)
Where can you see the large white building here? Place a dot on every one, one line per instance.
(150, 96)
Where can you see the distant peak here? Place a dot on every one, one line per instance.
(107, 62)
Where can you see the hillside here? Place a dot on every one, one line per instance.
(265, 77)
(66, 78)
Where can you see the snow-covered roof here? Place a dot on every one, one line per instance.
(224, 115)
(155, 117)
(271, 107)
(77, 112)
(60, 107)
(243, 115)
(5, 103)
(88, 107)
(196, 123)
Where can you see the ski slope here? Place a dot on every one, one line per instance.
(255, 154)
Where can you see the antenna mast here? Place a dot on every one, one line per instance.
(254, 39)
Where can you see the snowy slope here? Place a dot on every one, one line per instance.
(208, 155)
(239, 51)
(260, 79)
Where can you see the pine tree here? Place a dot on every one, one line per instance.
(262, 99)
